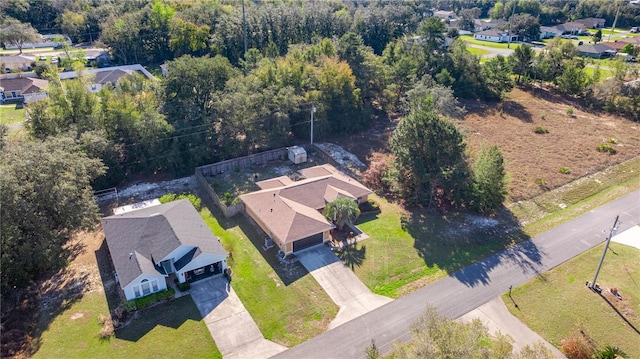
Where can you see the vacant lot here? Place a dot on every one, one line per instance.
(558, 305)
(9, 114)
(534, 161)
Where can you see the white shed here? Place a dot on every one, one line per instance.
(297, 154)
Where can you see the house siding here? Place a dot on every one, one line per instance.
(129, 291)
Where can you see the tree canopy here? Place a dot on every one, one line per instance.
(341, 210)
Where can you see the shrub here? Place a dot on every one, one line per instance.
(570, 111)
(107, 329)
(183, 287)
(603, 147)
(541, 182)
(170, 197)
(542, 116)
(577, 348)
(376, 176)
(565, 170)
(215, 185)
(369, 206)
(611, 352)
(541, 130)
(612, 140)
(236, 169)
(227, 199)
(152, 298)
(102, 319)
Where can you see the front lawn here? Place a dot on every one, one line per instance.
(558, 305)
(497, 45)
(9, 114)
(407, 250)
(286, 302)
(478, 52)
(173, 330)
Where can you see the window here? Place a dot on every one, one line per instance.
(154, 285)
(136, 291)
(146, 289)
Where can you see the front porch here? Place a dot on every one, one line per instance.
(203, 272)
(350, 234)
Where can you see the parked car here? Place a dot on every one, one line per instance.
(42, 58)
(635, 29)
(54, 59)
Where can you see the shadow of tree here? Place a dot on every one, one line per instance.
(170, 314)
(105, 266)
(514, 109)
(352, 256)
(454, 242)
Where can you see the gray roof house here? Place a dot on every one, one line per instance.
(152, 245)
(25, 89)
(597, 51)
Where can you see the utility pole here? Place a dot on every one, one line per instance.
(244, 28)
(615, 20)
(515, 2)
(313, 110)
(613, 231)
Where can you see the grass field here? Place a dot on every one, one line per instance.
(533, 161)
(407, 250)
(557, 304)
(470, 40)
(169, 330)
(9, 114)
(477, 52)
(288, 305)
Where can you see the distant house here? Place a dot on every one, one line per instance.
(597, 51)
(614, 45)
(97, 57)
(17, 63)
(573, 28)
(160, 243)
(481, 25)
(494, 36)
(25, 89)
(592, 23)
(445, 15)
(44, 41)
(108, 75)
(549, 32)
(289, 211)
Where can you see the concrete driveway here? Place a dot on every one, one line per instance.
(231, 326)
(341, 284)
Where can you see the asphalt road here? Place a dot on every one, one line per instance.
(472, 286)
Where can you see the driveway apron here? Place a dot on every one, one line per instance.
(341, 284)
(231, 326)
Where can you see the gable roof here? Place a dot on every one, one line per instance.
(291, 212)
(491, 32)
(112, 76)
(616, 45)
(140, 239)
(591, 22)
(17, 59)
(594, 49)
(25, 85)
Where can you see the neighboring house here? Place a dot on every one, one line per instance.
(597, 51)
(494, 36)
(481, 25)
(17, 63)
(549, 32)
(164, 69)
(614, 45)
(442, 14)
(631, 40)
(573, 28)
(97, 57)
(290, 212)
(44, 41)
(25, 89)
(155, 244)
(108, 75)
(592, 23)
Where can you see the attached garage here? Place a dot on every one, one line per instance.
(308, 242)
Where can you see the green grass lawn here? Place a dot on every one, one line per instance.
(604, 73)
(477, 52)
(558, 305)
(9, 114)
(287, 303)
(173, 330)
(407, 250)
(470, 40)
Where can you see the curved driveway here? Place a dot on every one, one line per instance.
(472, 286)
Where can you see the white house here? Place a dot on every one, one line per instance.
(44, 41)
(160, 243)
(494, 36)
(25, 89)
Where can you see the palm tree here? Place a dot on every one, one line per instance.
(341, 210)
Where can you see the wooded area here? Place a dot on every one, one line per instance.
(348, 60)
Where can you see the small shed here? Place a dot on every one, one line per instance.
(297, 154)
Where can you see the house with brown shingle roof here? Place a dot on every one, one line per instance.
(290, 212)
(22, 89)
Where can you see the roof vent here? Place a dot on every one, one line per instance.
(130, 256)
